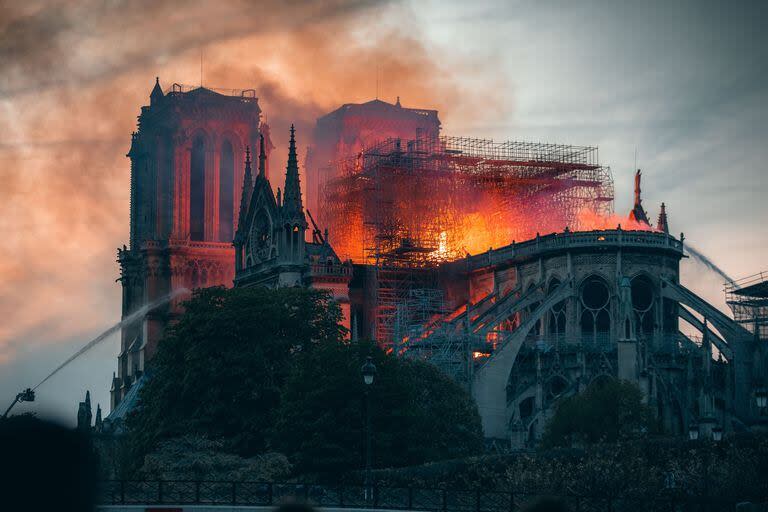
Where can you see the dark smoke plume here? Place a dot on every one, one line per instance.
(76, 73)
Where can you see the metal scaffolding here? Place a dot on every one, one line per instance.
(748, 299)
(404, 206)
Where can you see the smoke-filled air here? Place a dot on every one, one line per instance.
(565, 79)
(74, 76)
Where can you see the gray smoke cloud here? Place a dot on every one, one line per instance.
(75, 74)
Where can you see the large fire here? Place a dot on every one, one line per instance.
(435, 202)
(590, 221)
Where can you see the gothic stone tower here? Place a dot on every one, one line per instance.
(186, 175)
(270, 245)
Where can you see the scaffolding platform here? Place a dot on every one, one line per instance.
(748, 299)
(405, 206)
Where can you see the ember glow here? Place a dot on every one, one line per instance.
(589, 220)
(436, 199)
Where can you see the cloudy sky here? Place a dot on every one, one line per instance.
(682, 84)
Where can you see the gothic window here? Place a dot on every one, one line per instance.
(226, 192)
(197, 190)
(557, 313)
(163, 189)
(557, 386)
(261, 236)
(526, 408)
(295, 242)
(643, 302)
(595, 315)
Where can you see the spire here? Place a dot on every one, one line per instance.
(97, 422)
(245, 197)
(638, 213)
(292, 190)
(84, 413)
(157, 92)
(262, 157)
(662, 224)
(397, 103)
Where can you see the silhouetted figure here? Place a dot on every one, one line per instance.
(45, 466)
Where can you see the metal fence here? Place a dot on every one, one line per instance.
(186, 492)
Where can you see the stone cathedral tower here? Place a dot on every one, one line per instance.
(186, 179)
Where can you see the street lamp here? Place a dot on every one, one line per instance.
(368, 371)
(28, 395)
(761, 398)
(693, 432)
(717, 433)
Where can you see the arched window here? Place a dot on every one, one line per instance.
(226, 192)
(295, 242)
(197, 190)
(596, 307)
(557, 313)
(643, 302)
(556, 386)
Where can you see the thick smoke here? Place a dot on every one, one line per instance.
(76, 73)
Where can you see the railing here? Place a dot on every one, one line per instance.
(247, 94)
(330, 270)
(605, 342)
(188, 492)
(573, 240)
(183, 242)
(744, 282)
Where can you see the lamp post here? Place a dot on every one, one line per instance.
(717, 434)
(368, 371)
(693, 433)
(761, 399)
(28, 395)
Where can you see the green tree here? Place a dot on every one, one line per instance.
(220, 370)
(417, 413)
(607, 411)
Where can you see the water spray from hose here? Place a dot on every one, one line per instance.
(127, 320)
(699, 257)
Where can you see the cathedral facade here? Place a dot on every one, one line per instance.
(522, 326)
(199, 217)
(271, 247)
(186, 172)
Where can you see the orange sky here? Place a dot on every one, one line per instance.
(68, 103)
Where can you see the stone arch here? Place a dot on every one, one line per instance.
(197, 178)
(595, 298)
(601, 379)
(556, 317)
(644, 303)
(226, 190)
(295, 242)
(557, 385)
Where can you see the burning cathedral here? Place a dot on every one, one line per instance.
(501, 263)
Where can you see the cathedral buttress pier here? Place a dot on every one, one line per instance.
(186, 178)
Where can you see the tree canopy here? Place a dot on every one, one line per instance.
(607, 411)
(220, 370)
(259, 370)
(417, 413)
